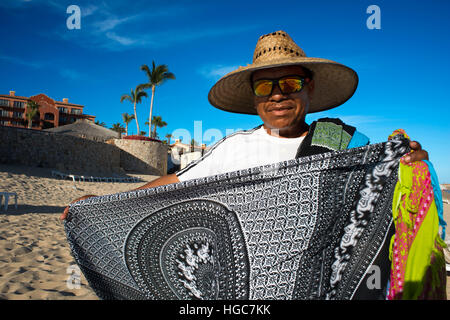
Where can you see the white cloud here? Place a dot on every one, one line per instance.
(122, 40)
(115, 29)
(66, 73)
(89, 10)
(111, 22)
(23, 62)
(119, 42)
(217, 71)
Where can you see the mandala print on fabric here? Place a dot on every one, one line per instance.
(308, 228)
(191, 250)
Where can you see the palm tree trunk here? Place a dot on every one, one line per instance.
(135, 117)
(151, 110)
(126, 128)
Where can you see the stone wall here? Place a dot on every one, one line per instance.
(80, 156)
(143, 156)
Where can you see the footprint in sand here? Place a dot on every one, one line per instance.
(22, 250)
(24, 289)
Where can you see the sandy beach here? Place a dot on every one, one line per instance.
(35, 260)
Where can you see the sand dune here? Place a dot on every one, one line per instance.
(35, 260)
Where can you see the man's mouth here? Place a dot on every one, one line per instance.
(279, 110)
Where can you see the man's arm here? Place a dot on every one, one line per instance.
(161, 181)
(168, 179)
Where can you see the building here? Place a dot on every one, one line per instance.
(51, 113)
(178, 149)
(182, 154)
(84, 128)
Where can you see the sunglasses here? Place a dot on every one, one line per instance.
(287, 85)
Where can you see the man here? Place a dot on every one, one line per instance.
(281, 86)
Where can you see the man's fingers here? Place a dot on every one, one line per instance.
(415, 145)
(64, 214)
(416, 156)
(66, 210)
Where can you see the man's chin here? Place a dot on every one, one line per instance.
(279, 125)
(285, 128)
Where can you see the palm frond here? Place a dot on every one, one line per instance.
(144, 86)
(146, 69)
(126, 97)
(127, 118)
(140, 95)
(118, 128)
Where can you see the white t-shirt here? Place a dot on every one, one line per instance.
(242, 150)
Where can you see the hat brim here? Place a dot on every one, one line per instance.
(334, 84)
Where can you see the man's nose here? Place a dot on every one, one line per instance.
(277, 94)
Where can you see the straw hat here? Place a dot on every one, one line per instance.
(334, 82)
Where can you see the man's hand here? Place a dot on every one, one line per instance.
(66, 210)
(417, 154)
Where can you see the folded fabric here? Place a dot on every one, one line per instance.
(418, 264)
(316, 227)
(437, 198)
(330, 134)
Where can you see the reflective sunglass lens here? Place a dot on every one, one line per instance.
(263, 88)
(290, 85)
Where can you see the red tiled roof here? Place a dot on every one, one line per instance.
(13, 97)
(26, 98)
(69, 104)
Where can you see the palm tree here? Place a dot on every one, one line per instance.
(193, 144)
(102, 124)
(142, 133)
(153, 134)
(168, 136)
(32, 111)
(135, 97)
(127, 118)
(157, 122)
(117, 127)
(157, 76)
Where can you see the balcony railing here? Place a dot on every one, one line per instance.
(18, 115)
(4, 103)
(19, 104)
(9, 108)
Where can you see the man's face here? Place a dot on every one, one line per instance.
(285, 112)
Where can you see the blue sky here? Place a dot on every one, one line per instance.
(402, 68)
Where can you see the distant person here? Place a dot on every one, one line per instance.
(281, 86)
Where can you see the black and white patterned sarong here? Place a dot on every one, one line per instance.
(316, 227)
